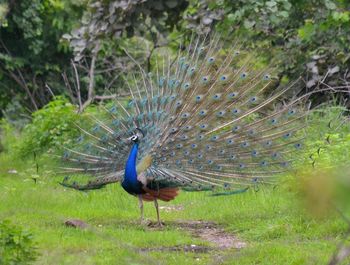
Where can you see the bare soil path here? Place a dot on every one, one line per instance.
(211, 232)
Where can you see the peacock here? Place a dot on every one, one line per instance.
(207, 118)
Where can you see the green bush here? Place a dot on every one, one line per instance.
(52, 126)
(16, 245)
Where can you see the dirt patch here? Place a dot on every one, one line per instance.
(186, 248)
(213, 233)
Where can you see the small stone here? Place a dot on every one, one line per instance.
(75, 223)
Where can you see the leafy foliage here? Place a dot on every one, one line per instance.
(31, 51)
(16, 245)
(51, 126)
(117, 19)
(302, 37)
(293, 32)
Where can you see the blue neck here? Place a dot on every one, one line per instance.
(130, 167)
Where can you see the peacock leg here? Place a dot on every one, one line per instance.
(157, 209)
(141, 207)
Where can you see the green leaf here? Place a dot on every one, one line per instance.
(330, 4)
(341, 16)
(305, 32)
(248, 24)
(271, 3)
(284, 14)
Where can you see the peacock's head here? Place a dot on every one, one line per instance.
(137, 136)
(134, 138)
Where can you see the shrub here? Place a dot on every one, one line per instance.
(16, 245)
(52, 126)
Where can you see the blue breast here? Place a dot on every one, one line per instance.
(130, 183)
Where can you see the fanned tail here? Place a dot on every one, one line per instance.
(212, 116)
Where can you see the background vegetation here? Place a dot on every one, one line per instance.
(59, 58)
(39, 38)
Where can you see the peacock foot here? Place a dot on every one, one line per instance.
(156, 224)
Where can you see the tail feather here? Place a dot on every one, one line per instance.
(96, 183)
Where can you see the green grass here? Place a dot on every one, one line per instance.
(272, 222)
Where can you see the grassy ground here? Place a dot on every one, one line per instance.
(271, 221)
